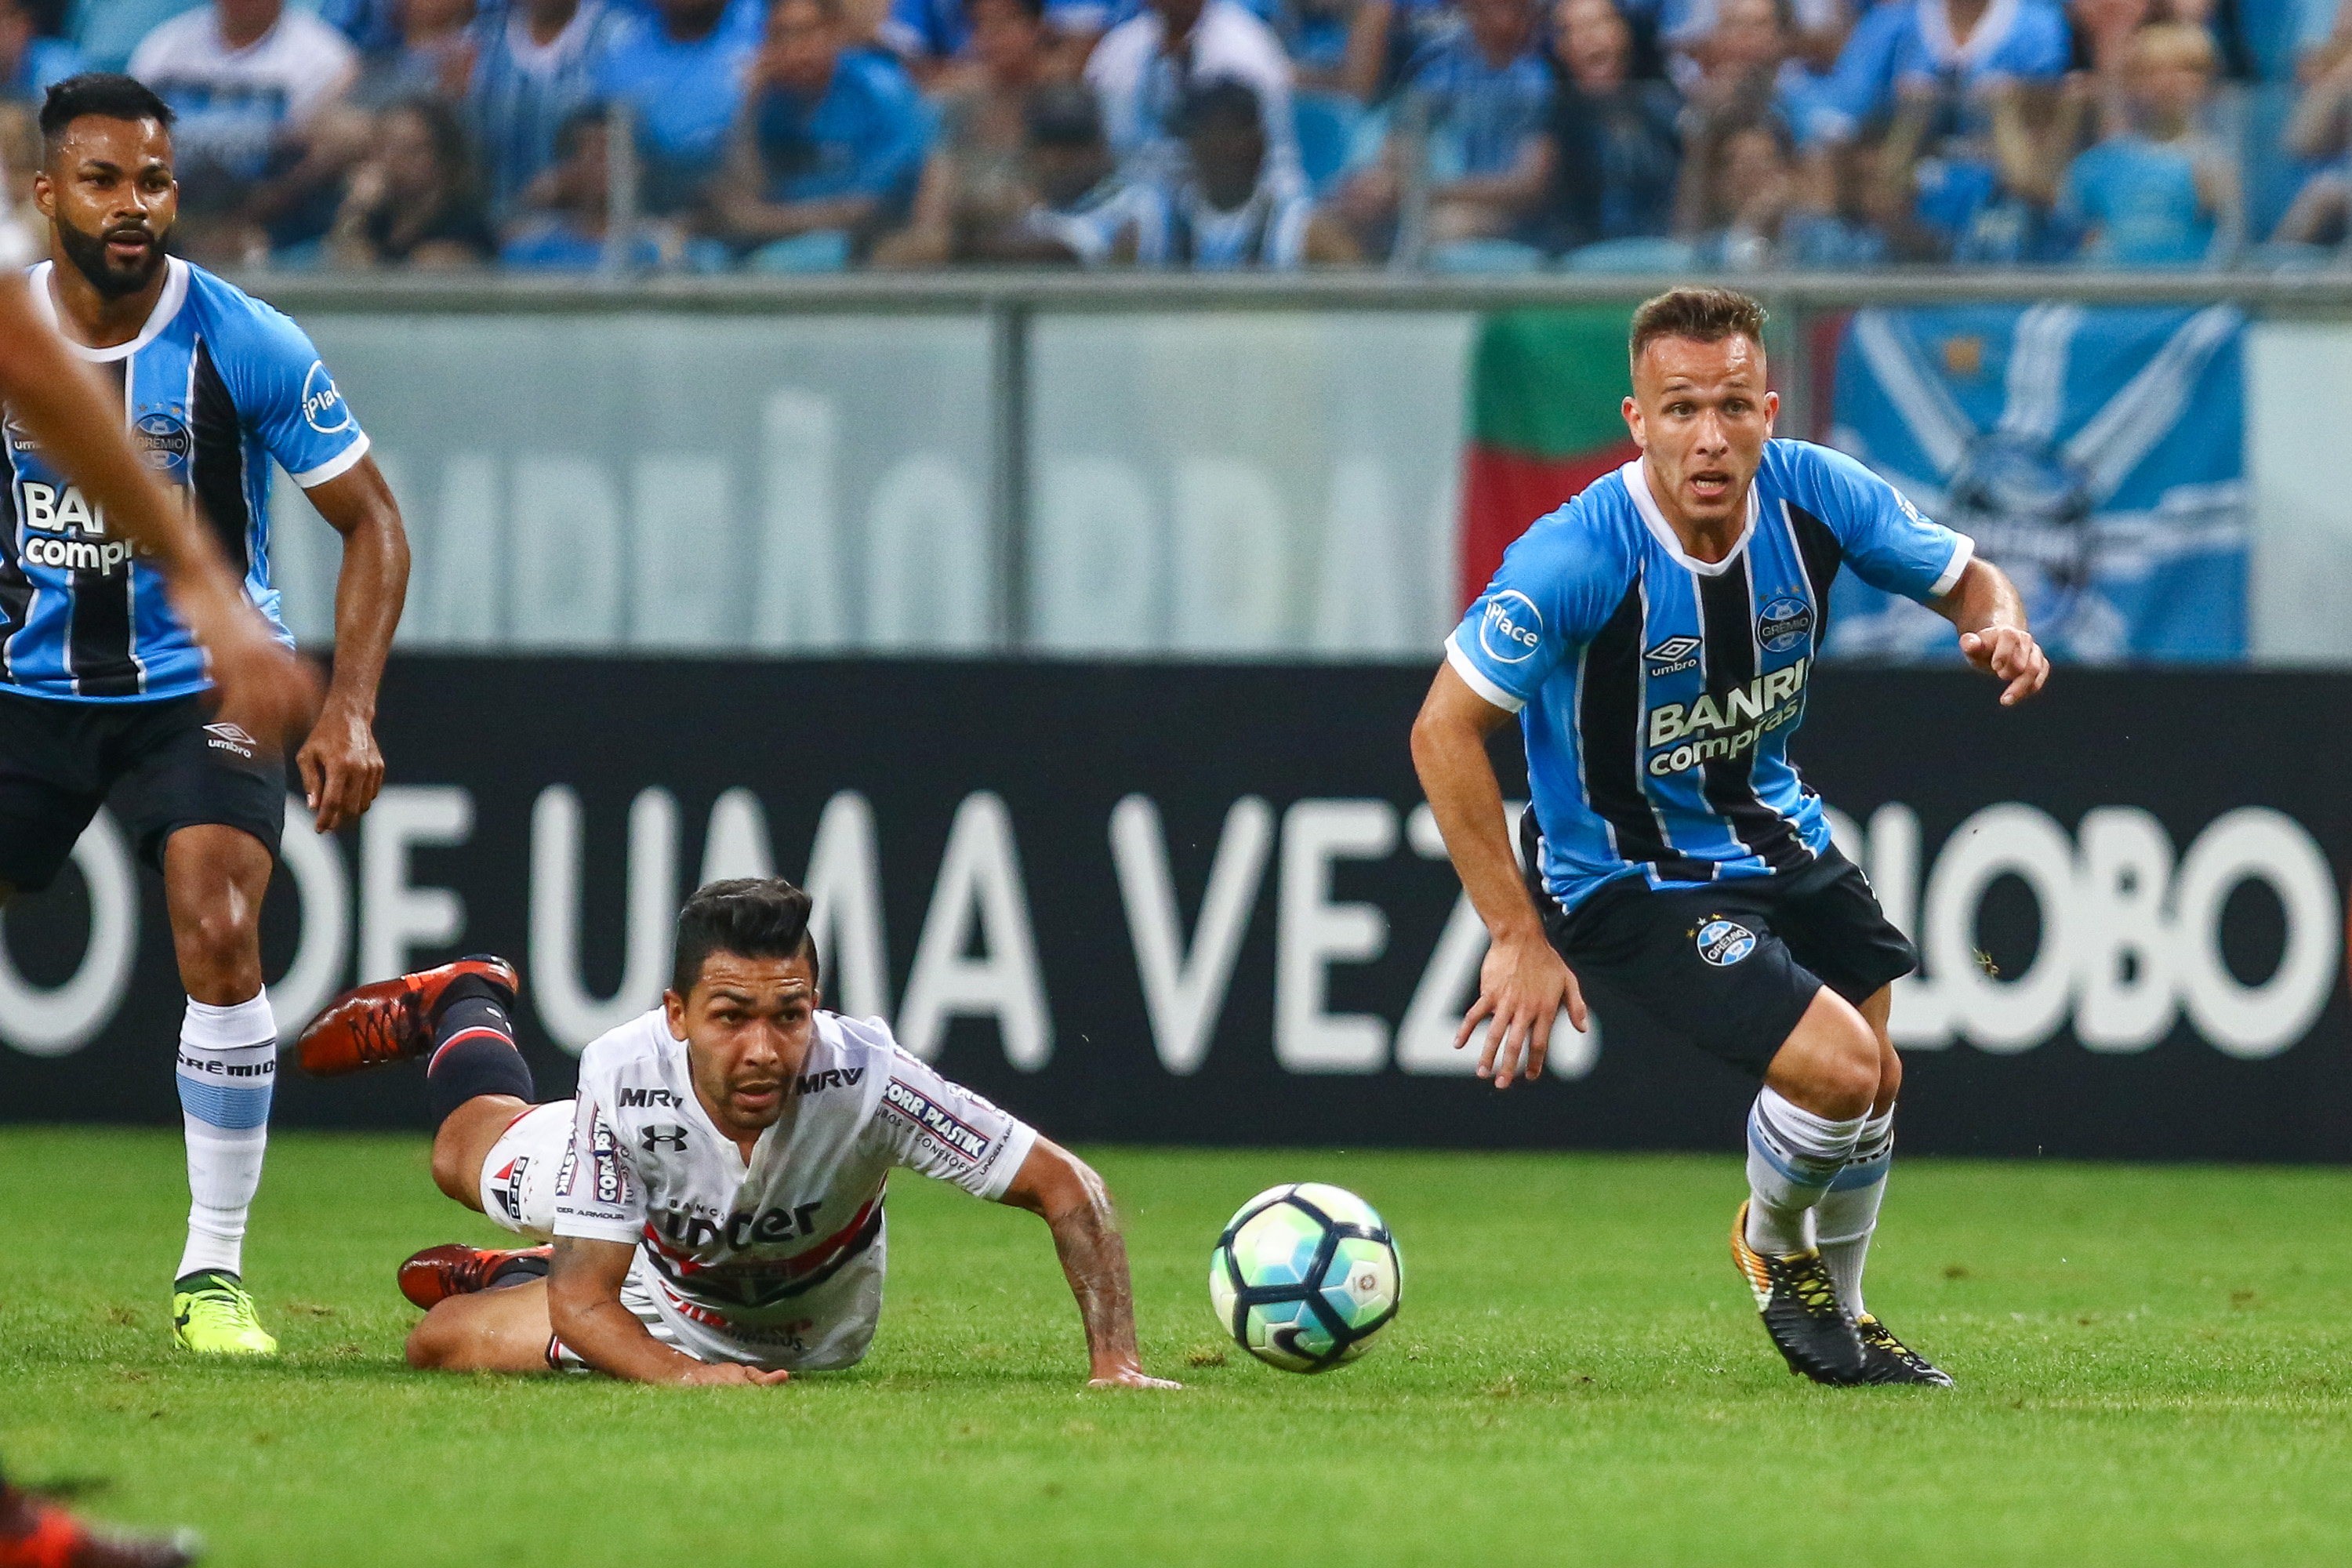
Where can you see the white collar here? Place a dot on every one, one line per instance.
(1991, 30)
(1637, 485)
(167, 306)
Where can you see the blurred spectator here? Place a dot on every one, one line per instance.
(432, 54)
(106, 31)
(1081, 211)
(1385, 37)
(2321, 131)
(372, 25)
(1617, 149)
(1146, 67)
(1817, 30)
(567, 227)
(250, 82)
(1229, 212)
(679, 68)
(30, 64)
(413, 202)
(1746, 64)
(1484, 94)
(2160, 194)
(1754, 211)
(829, 145)
(974, 181)
(2323, 27)
(535, 65)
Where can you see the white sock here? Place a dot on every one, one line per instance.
(228, 1063)
(1848, 1212)
(1793, 1157)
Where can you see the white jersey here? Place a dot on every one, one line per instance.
(777, 1262)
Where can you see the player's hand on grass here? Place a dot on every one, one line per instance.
(2011, 654)
(342, 768)
(731, 1375)
(1522, 987)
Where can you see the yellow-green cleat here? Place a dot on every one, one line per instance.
(212, 1315)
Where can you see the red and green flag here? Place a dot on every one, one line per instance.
(1545, 390)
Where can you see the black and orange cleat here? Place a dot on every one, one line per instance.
(1887, 1358)
(454, 1268)
(391, 1020)
(1799, 1303)
(37, 1533)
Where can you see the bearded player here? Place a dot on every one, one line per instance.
(1655, 637)
(103, 684)
(714, 1192)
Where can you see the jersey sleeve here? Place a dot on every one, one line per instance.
(284, 389)
(1884, 539)
(1552, 593)
(597, 1195)
(944, 1130)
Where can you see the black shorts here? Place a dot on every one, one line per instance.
(1730, 967)
(59, 761)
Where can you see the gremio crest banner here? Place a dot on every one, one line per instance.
(2096, 455)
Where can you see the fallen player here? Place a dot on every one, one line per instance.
(714, 1196)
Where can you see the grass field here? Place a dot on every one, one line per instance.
(2154, 1366)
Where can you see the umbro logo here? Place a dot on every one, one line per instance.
(230, 738)
(1672, 656)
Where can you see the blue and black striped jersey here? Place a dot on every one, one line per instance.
(1657, 692)
(215, 387)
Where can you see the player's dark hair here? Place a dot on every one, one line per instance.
(1702, 315)
(106, 94)
(750, 916)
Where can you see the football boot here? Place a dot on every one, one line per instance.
(391, 1020)
(1799, 1303)
(454, 1268)
(1887, 1358)
(212, 1315)
(37, 1533)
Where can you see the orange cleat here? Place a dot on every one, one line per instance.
(454, 1268)
(391, 1020)
(37, 1533)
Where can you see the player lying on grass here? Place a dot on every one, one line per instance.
(715, 1193)
(1655, 637)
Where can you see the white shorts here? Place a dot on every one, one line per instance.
(519, 1176)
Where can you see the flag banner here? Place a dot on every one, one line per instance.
(2097, 455)
(1545, 390)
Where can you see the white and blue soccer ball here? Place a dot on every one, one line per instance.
(1305, 1275)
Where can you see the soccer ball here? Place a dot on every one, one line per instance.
(1304, 1276)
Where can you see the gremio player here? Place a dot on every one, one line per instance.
(103, 686)
(1655, 637)
(715, 1193)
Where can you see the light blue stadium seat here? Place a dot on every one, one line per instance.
(1638, 255)
(1486, 256)
(825, 251)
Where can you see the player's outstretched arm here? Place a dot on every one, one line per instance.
(583, 1308)
(1524, 983)
(262, 685)
(1064, 1189)
(1984, 605)
(342, 768)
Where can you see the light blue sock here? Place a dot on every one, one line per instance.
(227, 1067)
(1793, 1157)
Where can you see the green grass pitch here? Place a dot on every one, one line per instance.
(2152, 1368)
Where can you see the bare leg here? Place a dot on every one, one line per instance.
(1832, 1063)
(213, 880)
(1874, 1013)
(490, 1331)
(465, 1141)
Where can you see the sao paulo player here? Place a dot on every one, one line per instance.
(715, 1193)
(102, 686)
(1655, 637)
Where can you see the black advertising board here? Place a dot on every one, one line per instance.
(1176, 904)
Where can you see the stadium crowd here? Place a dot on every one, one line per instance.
(812, 135)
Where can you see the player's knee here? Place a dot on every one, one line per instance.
(1830, 1065)
(430, 1343)
(449, 1173)
(1890, 1078)
(219, 939)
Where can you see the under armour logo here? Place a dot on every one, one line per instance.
(654, 1138)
